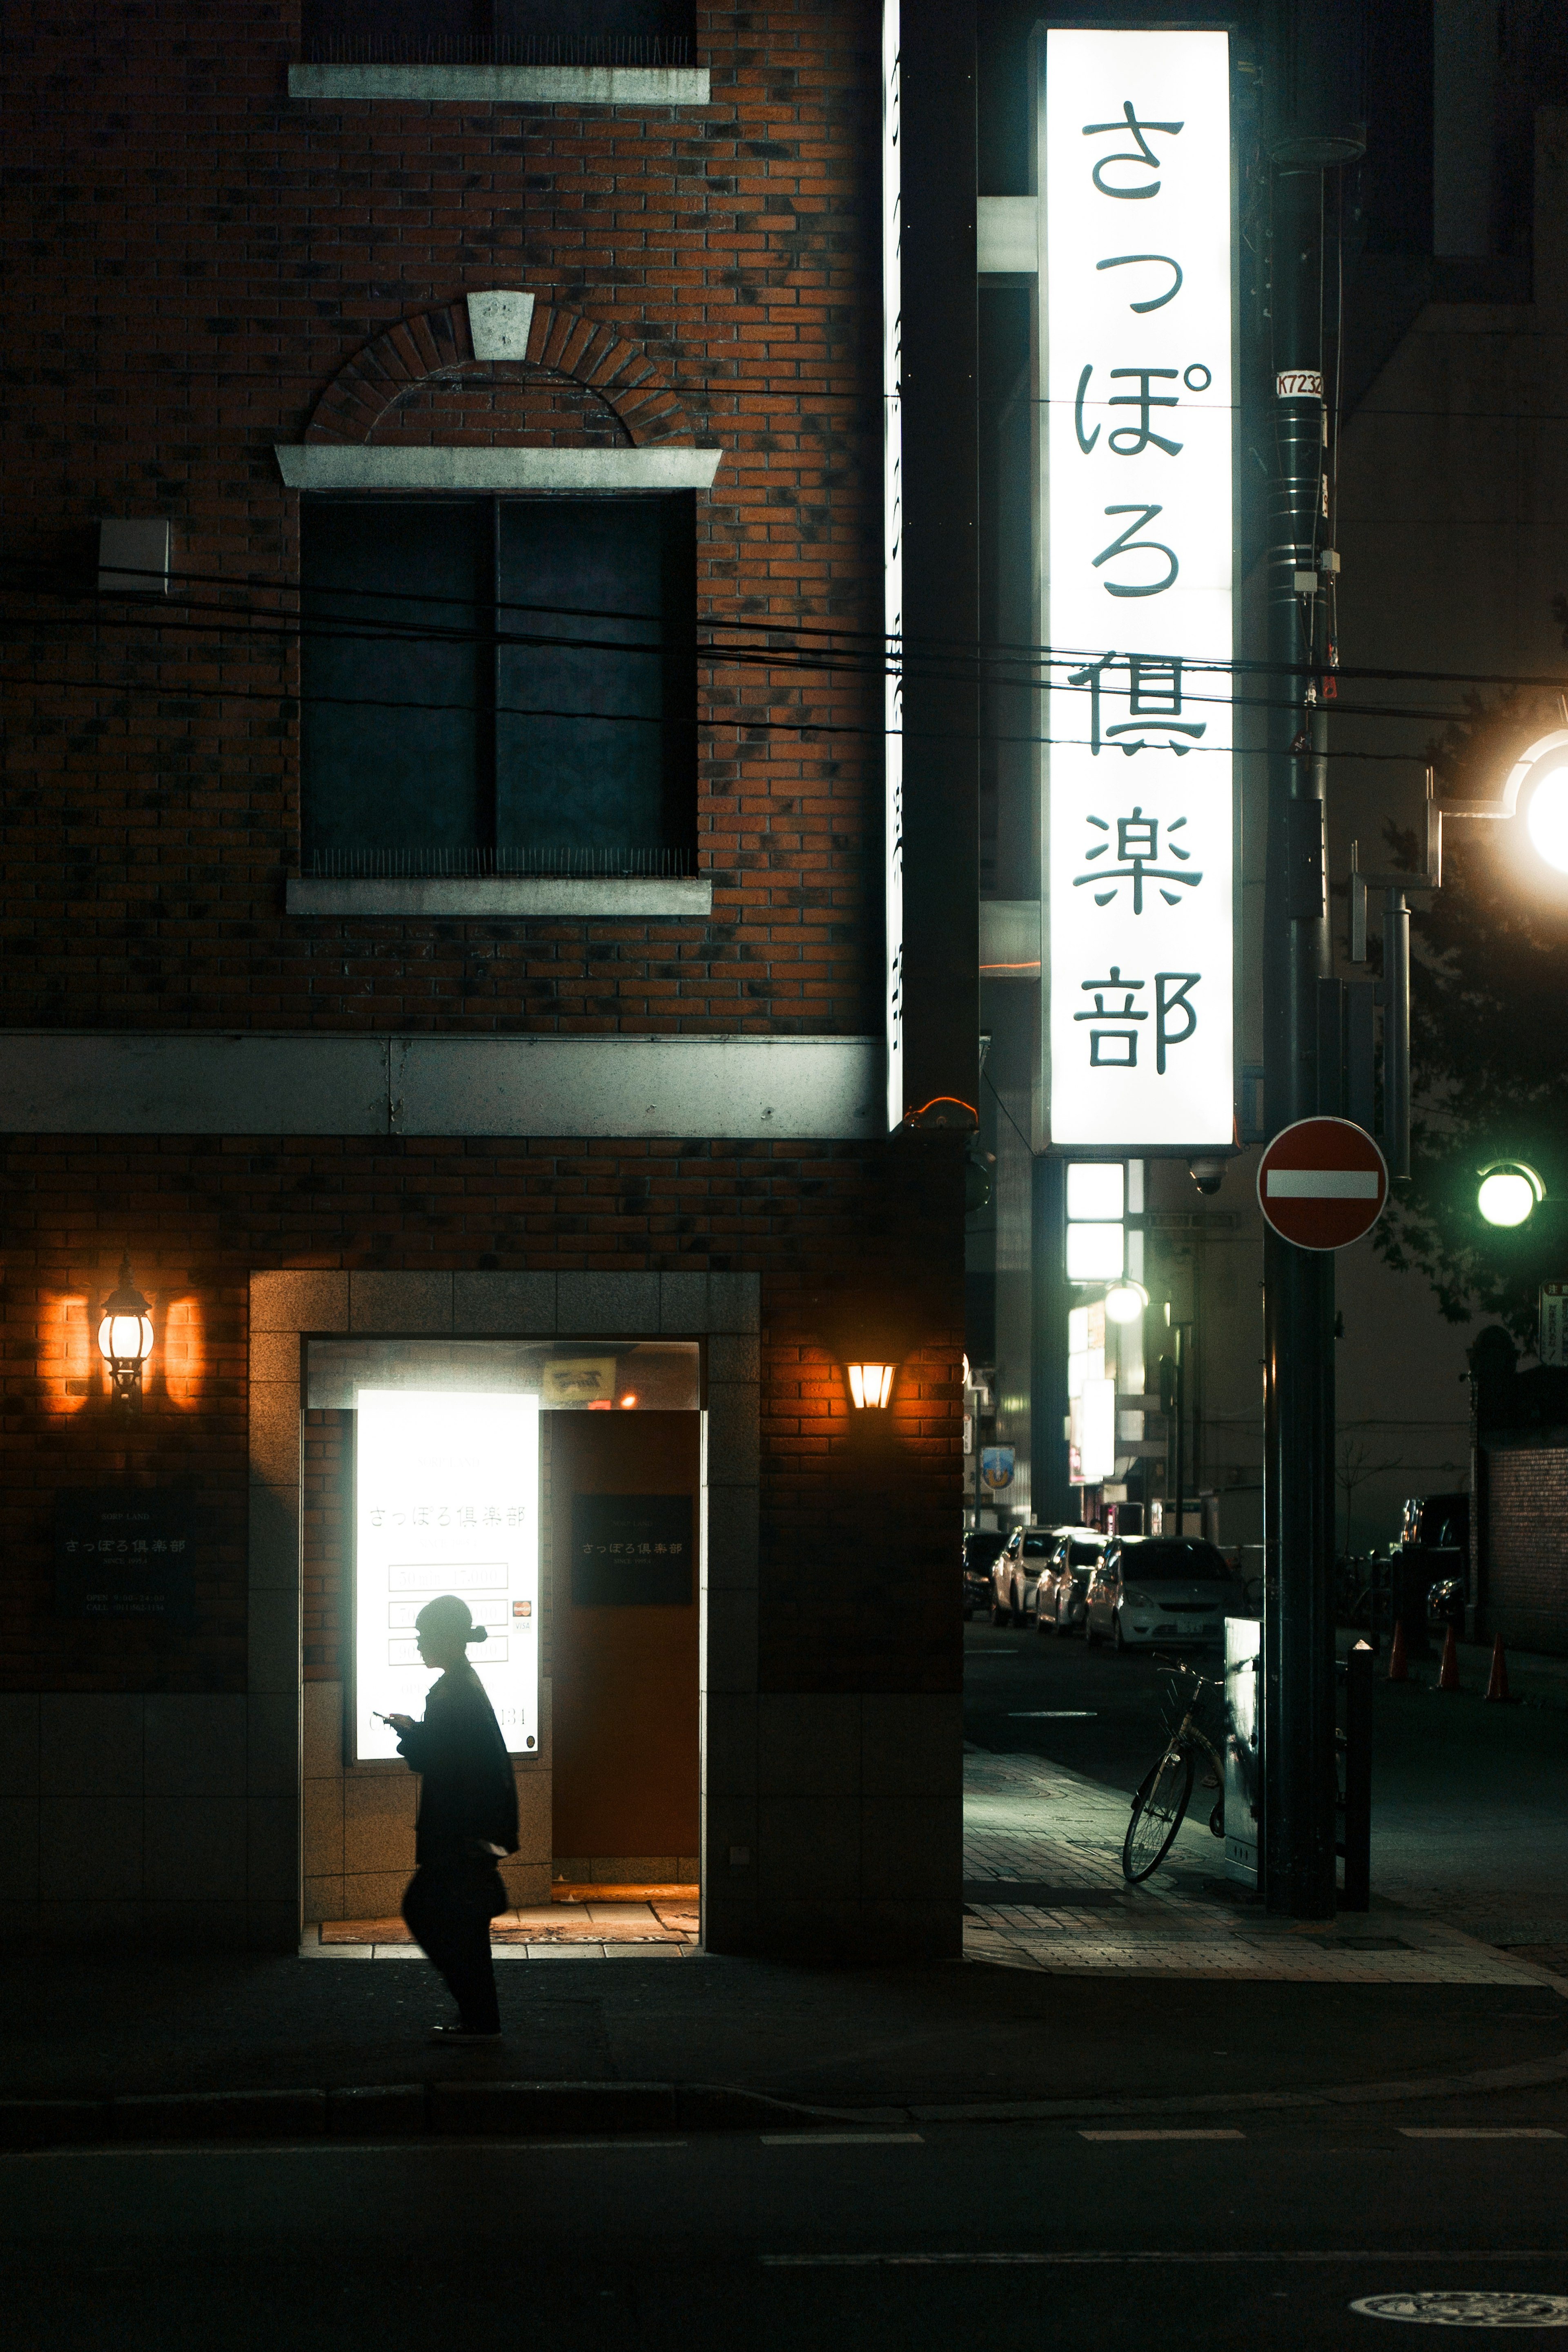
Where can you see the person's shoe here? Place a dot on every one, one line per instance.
(461, 2033)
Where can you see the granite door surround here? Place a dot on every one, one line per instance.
(352, 1836)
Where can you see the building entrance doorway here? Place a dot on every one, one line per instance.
(595, 1619)
(622, 1516)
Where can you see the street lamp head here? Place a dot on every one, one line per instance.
(125, 1338)
(1547, 818)
(1508, 1192)
(1536, 788)
(1125, 1302)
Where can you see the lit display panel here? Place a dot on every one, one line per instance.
(448, 1500)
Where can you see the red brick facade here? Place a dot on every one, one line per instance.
(200, 1216)
(1526, 1578)
(202, 267)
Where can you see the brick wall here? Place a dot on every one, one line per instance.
(860, 1532)
(1527, 1565)
(194, 258)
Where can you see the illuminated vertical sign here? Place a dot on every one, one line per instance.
(1139, 435)
(893, 553)
(448, 1500)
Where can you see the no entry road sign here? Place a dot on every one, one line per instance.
(1322, 1183)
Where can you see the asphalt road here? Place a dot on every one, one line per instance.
(1025, 2236)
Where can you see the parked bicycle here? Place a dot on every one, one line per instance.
(1160, 1805)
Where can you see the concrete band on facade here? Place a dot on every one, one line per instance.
(321, 466)
(509, 895)
(506, 85)
(252, 1082)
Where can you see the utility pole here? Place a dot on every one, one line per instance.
(1314, 128)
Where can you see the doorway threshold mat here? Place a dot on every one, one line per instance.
(581, 1931)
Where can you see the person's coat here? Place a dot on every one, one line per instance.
(468, 1797)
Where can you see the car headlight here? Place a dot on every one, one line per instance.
(1131, 1600)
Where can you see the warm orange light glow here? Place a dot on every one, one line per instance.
(626, 1401)
(184, 1354)
(871, 1385)
(65, 1351)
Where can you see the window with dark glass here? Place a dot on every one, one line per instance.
(498, 685)
(503, 32)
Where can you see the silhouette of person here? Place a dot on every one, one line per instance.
(467, 1820)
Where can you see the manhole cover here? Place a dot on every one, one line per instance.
(1469, 2309)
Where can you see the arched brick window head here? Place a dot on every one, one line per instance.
(498, 367)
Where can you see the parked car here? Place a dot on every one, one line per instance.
(981, 1546)
(1060, 1595)
(1152, 1592)
(1016, 1572)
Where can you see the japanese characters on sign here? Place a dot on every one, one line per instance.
(447, 1487)
(632, 1551)
(1139, 436)
(125, 1552)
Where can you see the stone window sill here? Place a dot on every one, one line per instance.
(531, 85)
(509, 895)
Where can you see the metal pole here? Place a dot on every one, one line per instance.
(1298, 1417)
(1177, 1330)
(1397, 1031)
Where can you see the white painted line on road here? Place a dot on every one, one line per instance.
(842, 2139)
(1162, 2135)
(1492, 2131)
(1068, 2262)
(1051, 1713)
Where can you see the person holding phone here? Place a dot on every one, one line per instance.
(467, 1820)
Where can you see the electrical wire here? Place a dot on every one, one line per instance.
(908, 655)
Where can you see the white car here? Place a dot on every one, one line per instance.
(1152, 1591)
(1016, 1572)
(1061, 1595)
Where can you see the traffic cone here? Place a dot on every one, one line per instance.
(1398, 1672)
(1448, 1672)
(1498, 1687)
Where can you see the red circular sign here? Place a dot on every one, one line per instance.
(1322, 1183)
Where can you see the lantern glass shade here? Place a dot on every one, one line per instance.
(870, 1385)
(125, 1339)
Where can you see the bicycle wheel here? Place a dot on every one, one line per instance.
(1157, 1813)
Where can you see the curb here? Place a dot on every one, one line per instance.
(550, 2110)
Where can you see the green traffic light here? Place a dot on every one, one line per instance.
(1510, 1193)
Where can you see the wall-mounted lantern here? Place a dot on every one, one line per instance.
(871, 1385)
(125, 1338)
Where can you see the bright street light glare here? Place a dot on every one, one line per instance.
(1125, 1302)
(1547, 821)
(1508, 1195)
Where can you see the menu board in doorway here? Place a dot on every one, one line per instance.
(632, 1551)
(124, 1551)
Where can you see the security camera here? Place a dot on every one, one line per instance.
(1208, 1175)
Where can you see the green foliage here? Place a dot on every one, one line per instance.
(1489, 1040)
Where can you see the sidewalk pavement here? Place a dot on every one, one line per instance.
(1049, 1830)
(1100, 1999)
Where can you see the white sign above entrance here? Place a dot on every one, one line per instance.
(1138, 523)
(448, 1500)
